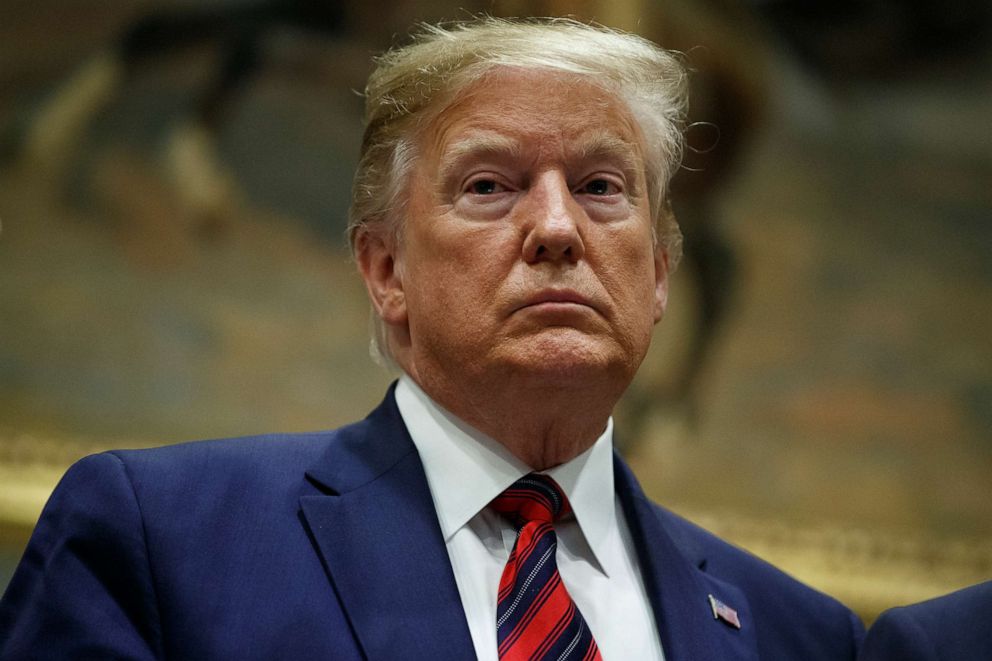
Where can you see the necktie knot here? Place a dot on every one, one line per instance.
(533, 497)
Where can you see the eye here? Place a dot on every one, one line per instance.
(599, 187)
(485, 195)
(485, 187)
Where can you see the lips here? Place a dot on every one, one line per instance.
(554, 298)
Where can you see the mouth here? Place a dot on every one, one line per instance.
(556, 300)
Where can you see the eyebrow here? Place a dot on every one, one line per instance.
(596, 146)
(492, 145)
(609, 147)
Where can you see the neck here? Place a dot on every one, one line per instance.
(540, 425)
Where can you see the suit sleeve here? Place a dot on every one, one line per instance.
(896, 636)
(83, 588)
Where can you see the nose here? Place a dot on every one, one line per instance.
(552, 221)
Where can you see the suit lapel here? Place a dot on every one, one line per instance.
(377, 532)
(678, 588)
(376, 529)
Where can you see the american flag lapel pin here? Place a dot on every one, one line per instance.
(722, 611)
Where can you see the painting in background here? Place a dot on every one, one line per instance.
(174, 183)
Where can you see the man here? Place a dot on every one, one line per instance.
(955, 626)
(509, 220)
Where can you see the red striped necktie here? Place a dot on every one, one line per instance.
(535, 616)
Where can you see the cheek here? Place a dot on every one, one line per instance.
(455, 275)
(629, 264)
(628, 274)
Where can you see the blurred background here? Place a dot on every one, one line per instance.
(174, 181)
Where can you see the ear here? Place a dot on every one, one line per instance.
(660, 282)
(377, 260)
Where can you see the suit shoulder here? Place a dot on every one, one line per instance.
(792, 608)
(897, 635)
(266, 455)
(262, 453)
(955, 625)
(961, 608)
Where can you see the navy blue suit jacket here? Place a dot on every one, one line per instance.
(949, 628)
(327, 546)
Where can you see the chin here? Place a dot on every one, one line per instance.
(565, 358)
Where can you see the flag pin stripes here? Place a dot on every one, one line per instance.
(722, 611)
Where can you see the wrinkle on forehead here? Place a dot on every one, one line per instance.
(482, 122)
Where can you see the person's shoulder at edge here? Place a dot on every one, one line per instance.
(952, 626)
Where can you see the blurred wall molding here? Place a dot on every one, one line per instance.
(869, 570)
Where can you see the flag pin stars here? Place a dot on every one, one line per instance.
(722, 611)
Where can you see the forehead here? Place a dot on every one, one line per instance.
(535, 115)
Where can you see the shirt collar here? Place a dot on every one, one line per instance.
(466, 469)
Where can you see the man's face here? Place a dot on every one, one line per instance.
(527, 248)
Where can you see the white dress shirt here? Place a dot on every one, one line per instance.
(596, 557)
